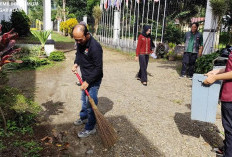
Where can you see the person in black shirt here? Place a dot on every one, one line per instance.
(89, 59)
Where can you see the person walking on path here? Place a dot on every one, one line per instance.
(89, 59)
(193, 49)
(226, 102)
(144, 48)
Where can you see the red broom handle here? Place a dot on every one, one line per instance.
(79, 78)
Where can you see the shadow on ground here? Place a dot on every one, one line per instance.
(51, 108)
(188, 127)
(105, 104)
(131, 142)
(175, 65)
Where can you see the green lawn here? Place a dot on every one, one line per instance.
(60, 38)
(55, 36)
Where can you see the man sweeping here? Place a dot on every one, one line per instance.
(89, 59)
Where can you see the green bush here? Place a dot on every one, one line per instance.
(25, 51)
(204, 64)
(173, 34)
(225, 38)
(3, 78)
(21, 23)
(6, 26)
(71, 16)
(34, 62)
(57, 56)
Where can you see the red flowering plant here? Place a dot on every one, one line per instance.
(7, 42)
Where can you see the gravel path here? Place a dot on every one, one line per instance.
(151, 121)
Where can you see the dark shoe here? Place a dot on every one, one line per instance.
(190, 77)
(144, 83)
(219, 151)
(137, 77)
(78, 83)
(182, 76)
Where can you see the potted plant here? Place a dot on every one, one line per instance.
(171, 55)
(43, 37)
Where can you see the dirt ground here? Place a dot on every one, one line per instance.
(151, 121)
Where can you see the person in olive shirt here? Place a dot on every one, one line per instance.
(89, 59)
(193, 49)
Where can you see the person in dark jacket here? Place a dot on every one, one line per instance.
(193, 49)
(226, 102)
(89, 59)
(144, 48)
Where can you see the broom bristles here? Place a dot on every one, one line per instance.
(106, 131)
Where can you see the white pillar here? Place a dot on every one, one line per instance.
(209, 34)
(85, 19)
(58, 25)
(47, 25)
(116, 27)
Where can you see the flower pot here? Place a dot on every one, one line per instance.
(171, 58)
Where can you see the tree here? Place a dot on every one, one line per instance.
(36, 12)
(97, 16)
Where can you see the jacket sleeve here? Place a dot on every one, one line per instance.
(139, 45)
(97, 56)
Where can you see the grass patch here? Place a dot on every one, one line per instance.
(20, 114)
(60, 38)
(32, 148)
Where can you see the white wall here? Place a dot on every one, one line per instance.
(8, 6)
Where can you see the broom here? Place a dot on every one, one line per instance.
(106, 131)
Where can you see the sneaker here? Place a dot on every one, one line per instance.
(79, 122)
(78, 83)
(182, 76)
(86, 133)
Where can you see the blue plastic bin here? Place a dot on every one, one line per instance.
(204, 99)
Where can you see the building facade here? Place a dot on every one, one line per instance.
(9, 6)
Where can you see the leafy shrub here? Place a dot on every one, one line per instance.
(68, 25)
(3, 78)
(62, 24)
(36, 51)
(71, 16)
(33, 62)
(57, 56)
(204, 64)
(25, 51)
(173, 34)
(6, 26)
(14, 104)
(225, 38)
(21, 22)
